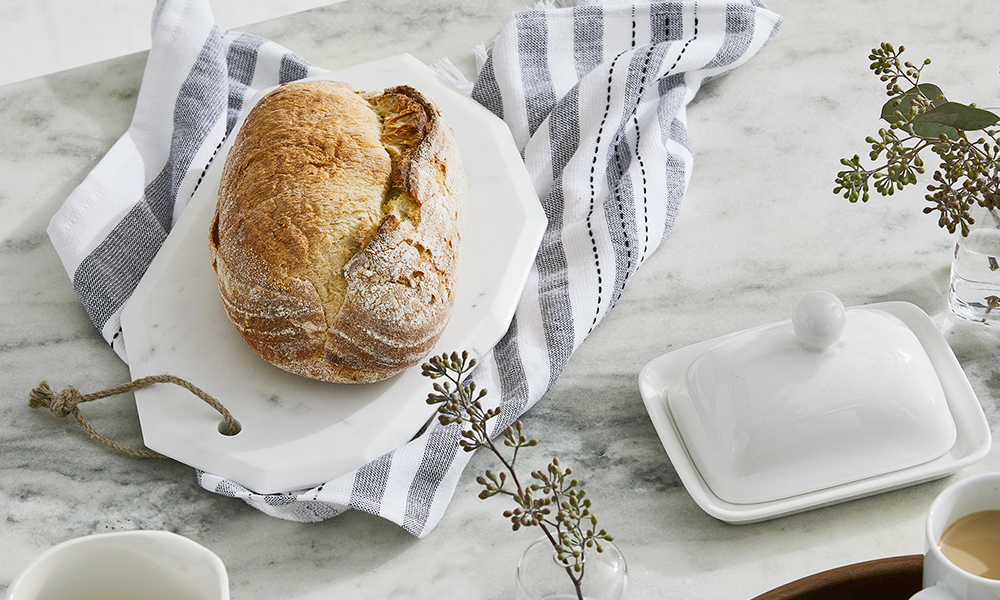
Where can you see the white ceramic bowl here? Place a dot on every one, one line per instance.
(155, 565)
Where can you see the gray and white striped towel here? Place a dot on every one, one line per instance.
(595, 96)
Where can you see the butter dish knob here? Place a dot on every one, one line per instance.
(818, 320)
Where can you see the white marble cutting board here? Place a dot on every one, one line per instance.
(296, 432)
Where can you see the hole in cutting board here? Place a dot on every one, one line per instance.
(224, 427)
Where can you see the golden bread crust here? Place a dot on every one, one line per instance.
(338, 228)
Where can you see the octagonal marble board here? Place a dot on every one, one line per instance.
(297, 433)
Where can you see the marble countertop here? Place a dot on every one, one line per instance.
(759, 227)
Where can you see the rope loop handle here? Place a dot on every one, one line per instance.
(65, 403)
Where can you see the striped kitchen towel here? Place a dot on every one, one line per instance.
(595, 96)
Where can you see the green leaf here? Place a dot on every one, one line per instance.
(903, 102)
(959, 116)
(931, 130)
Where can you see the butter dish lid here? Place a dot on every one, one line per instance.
(829, 397)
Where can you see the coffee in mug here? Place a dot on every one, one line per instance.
(962, 542)
(973, 543)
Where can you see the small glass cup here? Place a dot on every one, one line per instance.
(540, 576)
(974, 294)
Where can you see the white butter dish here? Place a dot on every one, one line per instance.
(814, 410)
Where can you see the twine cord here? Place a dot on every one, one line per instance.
(64, 403)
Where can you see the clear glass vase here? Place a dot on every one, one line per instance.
(975, 270)
(540, 576)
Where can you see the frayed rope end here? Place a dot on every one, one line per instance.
(61, 404)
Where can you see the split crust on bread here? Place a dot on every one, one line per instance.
(338, 227)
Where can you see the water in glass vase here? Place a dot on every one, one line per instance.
(975, 276)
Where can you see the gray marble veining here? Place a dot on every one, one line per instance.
(759, 226)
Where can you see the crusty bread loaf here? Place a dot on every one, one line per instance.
(337, 230)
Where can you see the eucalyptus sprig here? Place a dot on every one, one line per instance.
(555, 502)
(922, 119)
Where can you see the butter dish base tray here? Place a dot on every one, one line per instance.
(664, 380)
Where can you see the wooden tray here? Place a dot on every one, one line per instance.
(895, 578)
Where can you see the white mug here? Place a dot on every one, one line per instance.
(943, 580)
(153, 565)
